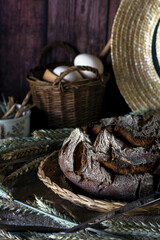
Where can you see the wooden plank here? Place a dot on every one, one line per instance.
(23, 28)
(80, 23)
(113, 7)
(114, 103)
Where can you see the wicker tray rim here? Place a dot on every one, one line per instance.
(78, 199)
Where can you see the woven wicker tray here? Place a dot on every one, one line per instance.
(49, 172)
(51, 175)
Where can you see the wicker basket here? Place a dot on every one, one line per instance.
(46, 56)
(68, 104)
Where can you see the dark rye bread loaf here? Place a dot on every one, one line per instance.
(117, 158)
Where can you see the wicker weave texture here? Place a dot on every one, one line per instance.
(69, 104)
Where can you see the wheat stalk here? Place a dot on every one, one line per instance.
(24, 169)
(17, 208)
(5, 193)
(46, 207)
(24, 152)
(60, 218)
(85, 235)
(133, 228)
(57, 134)
(51, 137)
(8, 236)
(9, 145)
(2, 170)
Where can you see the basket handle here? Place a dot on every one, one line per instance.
(59, 79)
(49, 47)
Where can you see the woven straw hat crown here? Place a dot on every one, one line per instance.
(135, 52)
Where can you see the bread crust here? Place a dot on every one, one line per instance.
(104, 158)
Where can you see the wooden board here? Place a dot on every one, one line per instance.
(81, 23)
(23, 34)
(26, 187)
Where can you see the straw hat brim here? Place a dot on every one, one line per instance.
(135, 52)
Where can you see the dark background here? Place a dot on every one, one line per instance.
(26, 26)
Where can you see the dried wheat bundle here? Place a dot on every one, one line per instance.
(9, 145)
(20, 153)
(12, 203)
(121, 229)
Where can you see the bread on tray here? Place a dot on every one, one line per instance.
(116, 158)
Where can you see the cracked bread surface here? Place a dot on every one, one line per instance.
(103, 163)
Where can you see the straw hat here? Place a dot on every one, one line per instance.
(135, 52)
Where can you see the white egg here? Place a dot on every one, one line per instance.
(85, 59)
(72, 76)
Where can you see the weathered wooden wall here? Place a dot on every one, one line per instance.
(26, 26)
(22, 35)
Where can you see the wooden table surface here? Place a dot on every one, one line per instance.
(25, 187)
